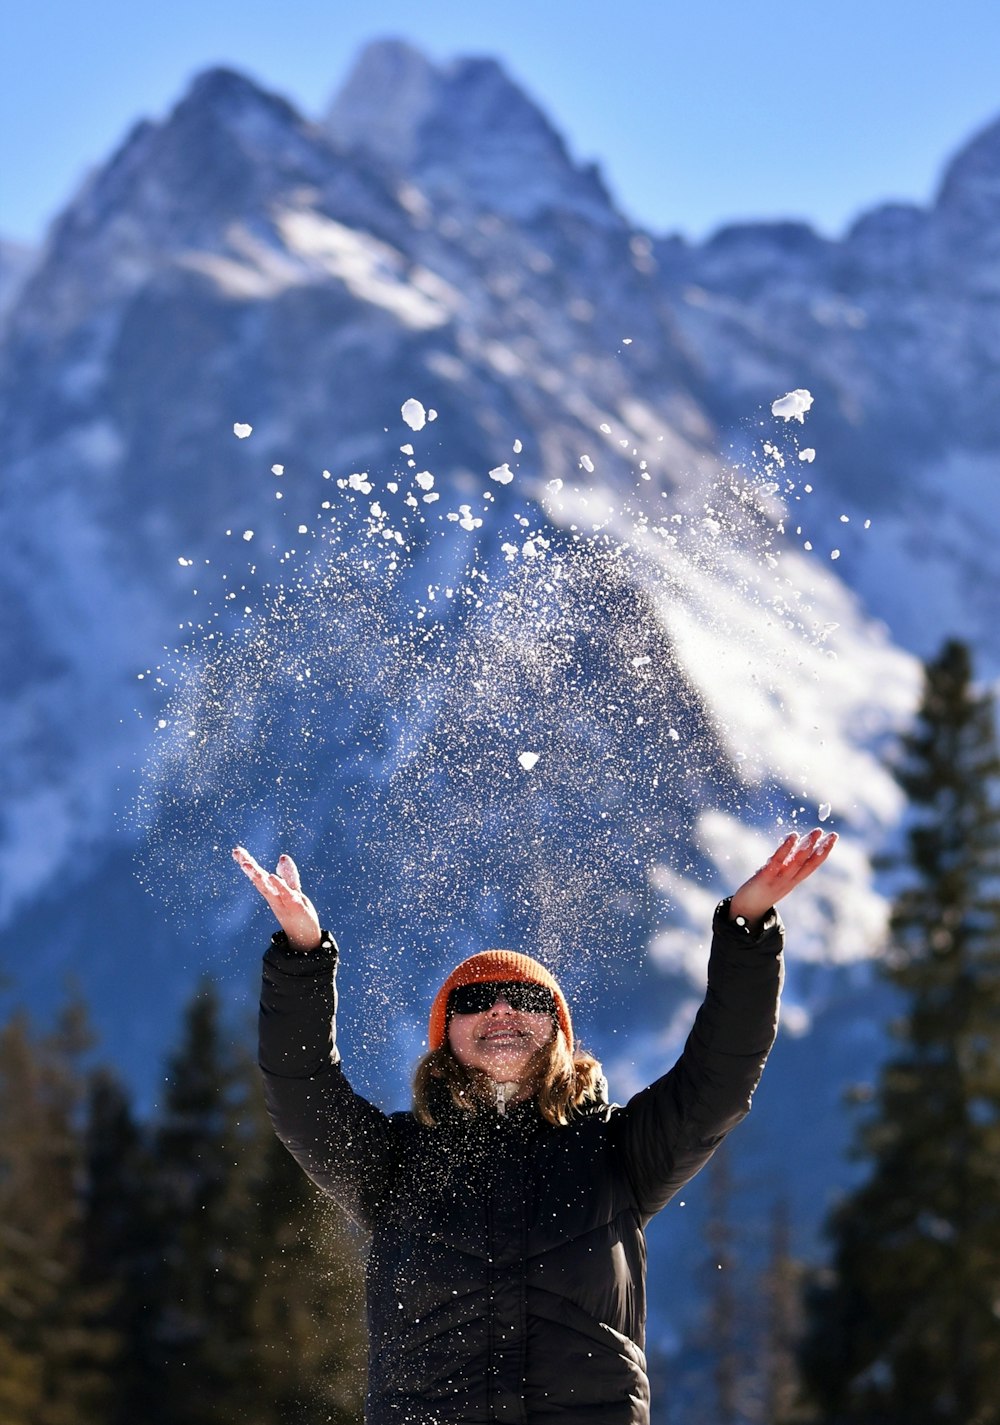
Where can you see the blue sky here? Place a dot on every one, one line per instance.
(698, 113)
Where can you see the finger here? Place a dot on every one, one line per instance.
(781, 857)
(818, 849)
(825, 843)
(289, 872)
(787, 862)
(247, 863)
(270, 887)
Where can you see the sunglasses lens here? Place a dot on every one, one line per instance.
(520, 995)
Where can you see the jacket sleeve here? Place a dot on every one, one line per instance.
(340, 1139)
(668, 1131)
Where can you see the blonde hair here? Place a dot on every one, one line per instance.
(560, 1081)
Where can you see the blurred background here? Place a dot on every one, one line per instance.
(522, 464)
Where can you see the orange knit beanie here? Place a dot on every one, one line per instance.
(495, 965)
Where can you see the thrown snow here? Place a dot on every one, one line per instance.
(413, 413)
(587, 464)
(241, 430)
(824, 811)
(502, 474)
(527, 760)
(248, 535)
(793, 405)
(808, 455)
(424, 479)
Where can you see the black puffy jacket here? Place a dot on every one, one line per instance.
(506, 1275)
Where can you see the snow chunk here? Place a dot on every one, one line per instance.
(793, 405)
(248, 535)
(184, 563)
(241, 430)
(808, 455)
(502, 474)
(277, 470)
(465, 518)
(527, 760)
(587, 464)
(424, 479)
(825, 811)
(518, 447)
(359, 481)
(413, 413)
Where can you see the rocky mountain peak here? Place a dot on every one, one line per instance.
(465, 132)
(967, 212)
(971, 180)
(215, 153)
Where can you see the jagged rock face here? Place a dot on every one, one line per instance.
(464, 133)
(16, 262)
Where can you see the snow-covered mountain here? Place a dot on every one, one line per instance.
(349, 633)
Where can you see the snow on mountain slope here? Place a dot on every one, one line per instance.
(892, 329)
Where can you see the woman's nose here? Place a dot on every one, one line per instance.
(500, 1004)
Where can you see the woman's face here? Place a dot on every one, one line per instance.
(500, 1041)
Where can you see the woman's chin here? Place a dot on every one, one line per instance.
(505, 1068)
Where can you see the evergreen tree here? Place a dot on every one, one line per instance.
(780, 1296)
(122, 1247)
(906, 1329)
(198, 1373)
(723, 1304)
(55, 1346)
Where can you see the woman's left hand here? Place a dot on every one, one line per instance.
(795, 859)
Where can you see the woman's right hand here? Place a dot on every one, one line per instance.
(293, 910)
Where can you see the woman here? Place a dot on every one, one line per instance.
(506, 1276)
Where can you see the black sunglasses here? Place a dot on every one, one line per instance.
(521, 995)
